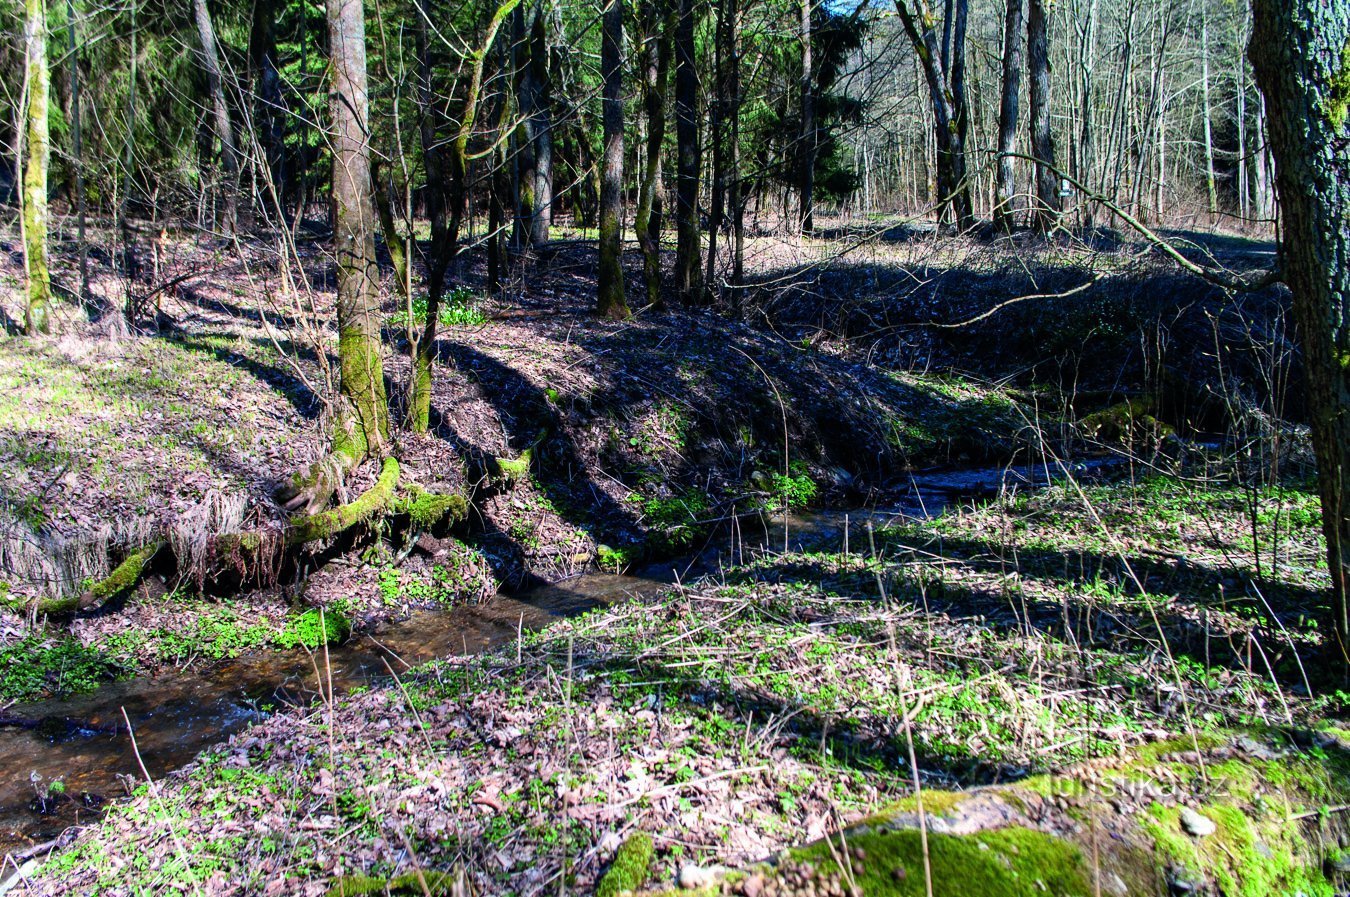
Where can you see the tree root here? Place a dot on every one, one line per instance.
(259, 554)
(369, 504)
(123, 577)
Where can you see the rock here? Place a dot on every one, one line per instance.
(692, 877)
(1195, 825)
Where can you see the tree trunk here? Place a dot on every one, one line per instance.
(806, 151)
(651, 193)
(1087, 41)
(542, 116)
(215, 86)
(1005, 210)
(37, 310)
(610, 302)
(438, 198)
(1047, 205)
(1207, 112)
(952, 187)
(363, 425)
(688, 270)
(1300, 51)
(525, 156)
(268, 103)
(77, 151)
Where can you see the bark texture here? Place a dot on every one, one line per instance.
(688, 269)
(1042, 136)
(610, 301)
(358, 307)
(37, 309)
(1300, 50)
(1005, 188)
(655, 64)
(220, 111)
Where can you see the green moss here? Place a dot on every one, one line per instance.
(426, 509)
(366, 506)
(1338, 100)
(614, 560)
(631, 866)
(407, 885)
(1245, 857)
(514, 471)
(1008, 862)
(935, 803)
(315, 628)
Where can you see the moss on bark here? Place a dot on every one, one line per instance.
(37, 314)
(366, 506)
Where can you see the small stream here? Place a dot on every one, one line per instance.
(175, 714)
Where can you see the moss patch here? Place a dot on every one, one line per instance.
(1010, 862)
(631, 866)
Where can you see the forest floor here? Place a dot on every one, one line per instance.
(1155, 620)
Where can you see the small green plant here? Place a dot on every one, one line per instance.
(613, 560)
(315, 628)
(795, 490)
(34, 667)
(459, 308)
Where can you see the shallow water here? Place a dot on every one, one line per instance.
(85, 741)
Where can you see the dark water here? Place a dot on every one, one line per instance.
(86, 743)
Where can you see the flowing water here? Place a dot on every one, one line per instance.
(86, 742)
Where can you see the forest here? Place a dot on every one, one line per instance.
(776, 448)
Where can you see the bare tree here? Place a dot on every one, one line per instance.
(1047, 206)
(1006, 185)
(215, 86)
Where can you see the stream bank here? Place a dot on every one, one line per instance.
(758, 707)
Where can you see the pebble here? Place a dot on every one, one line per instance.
(692, 877)
(1196, 825)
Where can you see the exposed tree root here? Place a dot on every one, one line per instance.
(259, 554)
(123, 577)
(368, 505)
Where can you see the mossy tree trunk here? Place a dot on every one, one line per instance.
(1300, 51)
(610, 301)
(37, 312)
(363, 418)
(446, 174)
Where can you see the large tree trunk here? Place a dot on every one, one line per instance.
(542, 116)
(1006, 186)
(610, 302)
(688, 270)
(1047, 204)
(1300, 50)
(952, 186)
(366, 424)
(655, 66)
(37, 310)
(215, 85)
